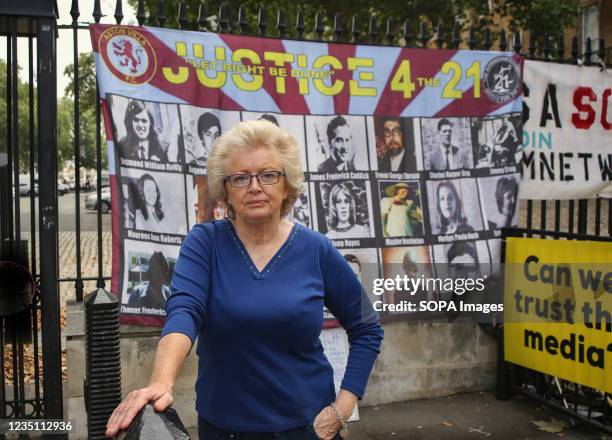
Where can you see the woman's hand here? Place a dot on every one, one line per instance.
(159, 395)
(171, 353)
(326, 424)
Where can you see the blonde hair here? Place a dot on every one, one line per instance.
(250, 134)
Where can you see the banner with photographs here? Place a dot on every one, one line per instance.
(410, 156)
(566, 137)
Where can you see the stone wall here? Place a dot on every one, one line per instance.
(417, 360)
(430, 359)
(138, 346)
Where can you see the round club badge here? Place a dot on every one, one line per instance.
(502, 79)
(128, 54)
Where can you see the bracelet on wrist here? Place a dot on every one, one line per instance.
(344, 432)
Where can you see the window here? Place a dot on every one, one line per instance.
(590, 28)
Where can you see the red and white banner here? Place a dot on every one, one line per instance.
(567, 134)
(397, 132)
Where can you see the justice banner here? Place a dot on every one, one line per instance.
(558, 308)
(566, 132)
(410, 155)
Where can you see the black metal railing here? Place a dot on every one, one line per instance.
(29, 143)
(581, 216)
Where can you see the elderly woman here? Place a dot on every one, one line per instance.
(343, 214)
(450, 210)
(252, 289)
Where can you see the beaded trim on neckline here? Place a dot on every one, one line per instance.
(247, 258)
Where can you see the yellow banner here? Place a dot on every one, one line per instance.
(558, 308)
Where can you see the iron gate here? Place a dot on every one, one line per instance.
(35, 23)
(38, 26)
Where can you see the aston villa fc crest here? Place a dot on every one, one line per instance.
(128, 54)
(501, 79)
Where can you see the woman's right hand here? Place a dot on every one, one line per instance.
(159, 395)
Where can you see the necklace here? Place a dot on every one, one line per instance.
(346, 228)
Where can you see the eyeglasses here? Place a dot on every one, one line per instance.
(264, 178)
(462, 268)
(392, 132)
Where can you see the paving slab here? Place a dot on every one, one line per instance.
(471, 416)
(467, 416)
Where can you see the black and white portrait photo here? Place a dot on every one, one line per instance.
(496, 140)
(395, 144)
(447, 143)
(148, 271)
(344, 209)
(201, 128)
(400, 208)
(145, 130)
(462, 259)
(336, 143)
(154, 201)
(500, 197)
(454, 207)
(300, 213)
(294, 124)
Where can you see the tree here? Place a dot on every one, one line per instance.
(87, 110)
(87, 79)
(432, 10)
(542, 16)
(64, 124)
(23, 119)
(65, 119)
(65, 131)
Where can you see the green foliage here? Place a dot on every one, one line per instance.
(434, 11)
(87, 110)
(65, 118)
(543, 16)
(23, 118)
(87, 78)
(65, 124)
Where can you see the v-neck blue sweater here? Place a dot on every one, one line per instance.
(261, 365)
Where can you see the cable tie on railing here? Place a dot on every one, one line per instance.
(602, 66)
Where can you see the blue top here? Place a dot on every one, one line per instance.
(261, 365)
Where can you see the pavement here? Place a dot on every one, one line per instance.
(466, 417)
(67, 251)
